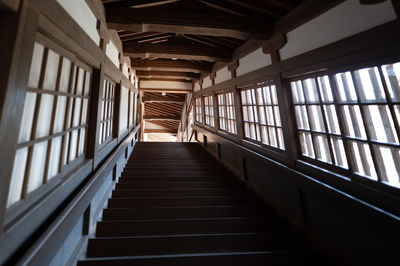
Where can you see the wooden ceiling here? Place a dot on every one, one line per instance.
(180, 40)
(163, 110)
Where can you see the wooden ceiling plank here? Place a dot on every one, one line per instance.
(154, 117)
(178, 51)
(171, 65)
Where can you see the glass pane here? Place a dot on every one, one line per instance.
(65, 73)
(332, 119)
(44, 118)
(301, 117)
(50, 78)
(325, 89)
(27, 117)
(87, 84)
(79, 85)
(55, 156)
(339, 152)
(261, 111)
(17, 177)
(65, 149)
(354, 125)
(345, 85)
(380, 123)
(317, 122)
(363, 160)
(82, 141)
(280, 138)
(274, 95)
(389, 167)
(252, 131)
(267, 95)
(84, 111)
(297, 91)
(260, 100)
(306, 144)
(243, 94)
(392, 78)
(73, 145)
(245, 116)
(60, 114)
(272, 136)
(322, 148)
(77, 112)
(270, 116)
(36, 65)
(264, 135)
(277, 116)
(37, 166)
(246, 130)
(310, 91)
(369, 85)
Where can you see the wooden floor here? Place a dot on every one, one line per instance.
(176, 205)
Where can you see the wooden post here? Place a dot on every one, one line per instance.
(16, 48)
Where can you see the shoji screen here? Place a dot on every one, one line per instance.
(54, 122)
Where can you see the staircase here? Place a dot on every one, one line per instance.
(176, 205)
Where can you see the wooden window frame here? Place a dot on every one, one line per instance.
(222, 104)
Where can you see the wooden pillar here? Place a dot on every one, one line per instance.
(16, 48)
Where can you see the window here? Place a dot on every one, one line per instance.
(53, 128)
(199, 113)
(209, 110)
(351, 120)
(226, 112)
(107, 111)
(261, 117)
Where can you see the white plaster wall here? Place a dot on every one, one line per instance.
(344, 20)
(125, 70)
(165, 85)
(222, 75)
(196, 86)
(253, 61)
(83, 15)
(207, 82)
(112, 53)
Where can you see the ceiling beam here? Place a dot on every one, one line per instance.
(160, 99)
(176, 51)
(156, 117)
(197, 19)
(167, 79)
(171, 65)
(170, 131)
(167, 74)
(165, 90)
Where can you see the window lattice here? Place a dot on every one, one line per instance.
(226, 112)
(199, 113)
(107, 111)
(261, 117)
(54, 122)
(209, 110)
(351, 120)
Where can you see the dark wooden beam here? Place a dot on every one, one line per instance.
(171, 65)
(160, 99)
(188, 17)
(165, 90)
(170, 131)
(177, 51)
(167, 79)
(156, 117)
(167, 74)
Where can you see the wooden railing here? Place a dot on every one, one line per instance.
(358, 230)
(43, 251)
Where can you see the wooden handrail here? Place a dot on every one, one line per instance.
(42, 251)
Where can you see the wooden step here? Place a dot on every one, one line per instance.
(179, 201)
(190, 212)
(179, 192)
(298, 257)
(190, 226)
(171, 185)
(138, 246)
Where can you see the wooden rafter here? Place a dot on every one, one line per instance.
(167, 74)
(171, 65)
(188, 17)
(178, 51)
(155, 117)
